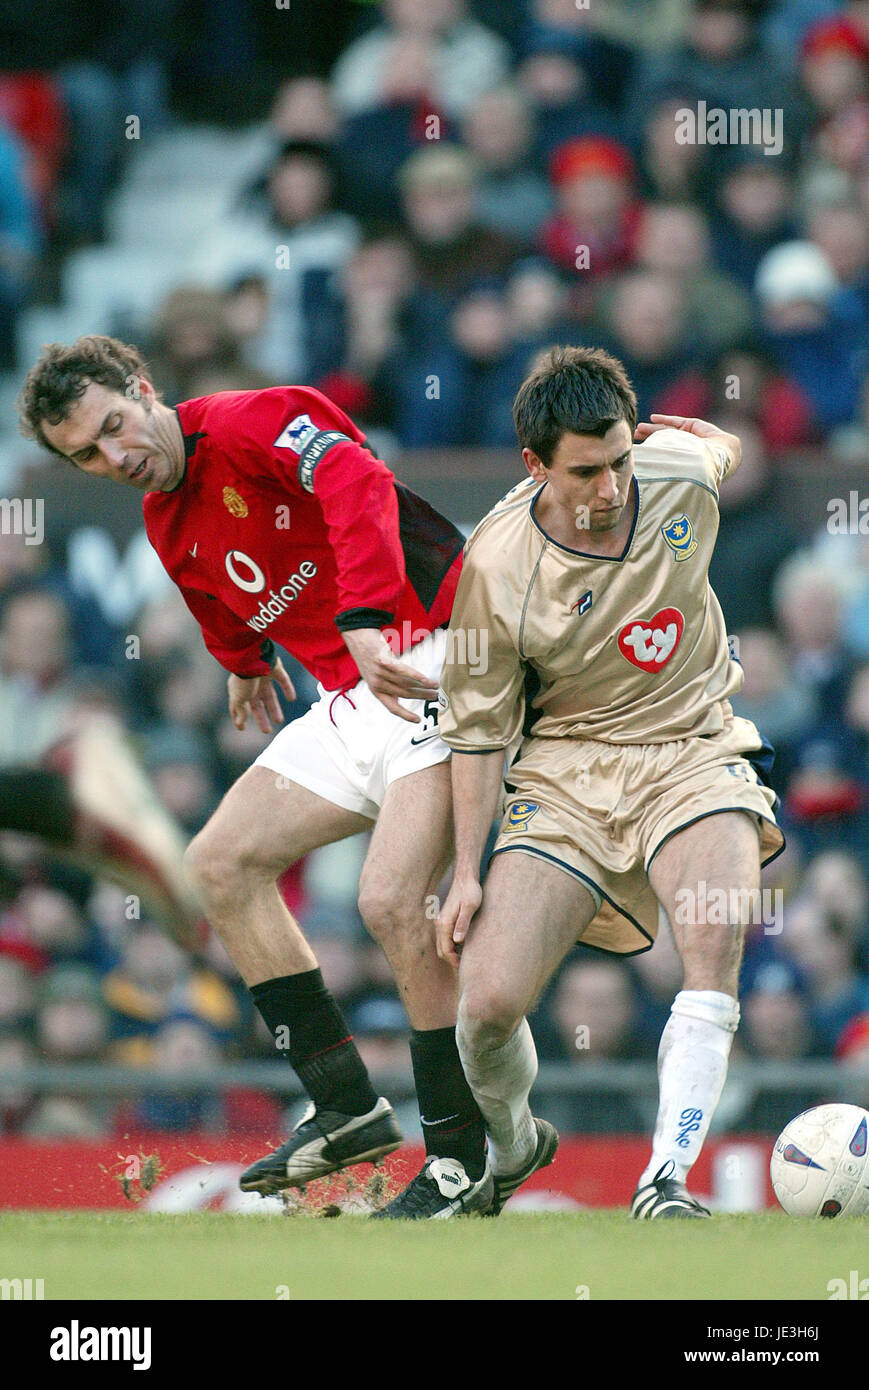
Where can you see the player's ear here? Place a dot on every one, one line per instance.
(535, 465)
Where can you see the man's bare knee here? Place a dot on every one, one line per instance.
(389, 907)
(222, 866)
(488, 1017)
(208, 863)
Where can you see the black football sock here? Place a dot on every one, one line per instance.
(451, 1121)
(309, 1029)
(36, 802)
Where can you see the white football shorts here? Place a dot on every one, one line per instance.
(348, 748)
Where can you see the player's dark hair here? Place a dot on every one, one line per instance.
(62, 374)
(575, 390)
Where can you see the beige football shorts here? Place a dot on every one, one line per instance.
(601, 811)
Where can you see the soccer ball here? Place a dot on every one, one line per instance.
(819, 1166)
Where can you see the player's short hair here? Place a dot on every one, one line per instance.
(575, 390)
(62, 373)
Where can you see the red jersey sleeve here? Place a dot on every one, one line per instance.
(228, 640)
(313, 443)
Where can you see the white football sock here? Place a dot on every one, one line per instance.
(692, 1067)
(500, 1080)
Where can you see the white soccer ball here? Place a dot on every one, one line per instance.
(820, 1163)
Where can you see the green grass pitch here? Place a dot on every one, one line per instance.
(562, 1256)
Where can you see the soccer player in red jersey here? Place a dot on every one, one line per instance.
(279, 526)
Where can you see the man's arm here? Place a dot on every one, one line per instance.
(476, 779)
(483, 706)
(727, 447)
(323, 452)
(387, 675)
(357, 495)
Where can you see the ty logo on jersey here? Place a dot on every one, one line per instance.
(650, 642)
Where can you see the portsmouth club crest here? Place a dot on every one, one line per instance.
(520, 814)
(679, 535)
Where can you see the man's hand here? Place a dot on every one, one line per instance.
(454, 921)
(385, 674)
(702, 428)
(257, 696)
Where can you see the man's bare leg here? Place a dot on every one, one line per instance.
(532, 914)
(409, 854)
(410, 851)
(264, 824)
(710, 865)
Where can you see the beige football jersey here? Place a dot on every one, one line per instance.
(629, 650)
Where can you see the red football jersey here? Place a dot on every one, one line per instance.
(286, 528)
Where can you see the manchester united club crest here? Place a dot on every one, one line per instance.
(234, 502)
(520, 814)
(679, 535)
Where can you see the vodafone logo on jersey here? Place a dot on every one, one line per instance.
(247, 575)
(650, 642)
(244, 572)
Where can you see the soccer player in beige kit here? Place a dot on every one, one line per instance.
(636, 785)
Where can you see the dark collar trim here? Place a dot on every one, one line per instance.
(190, 440)
(587, 554)
(190, 443)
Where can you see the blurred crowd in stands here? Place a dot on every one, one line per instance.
(436, 189)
